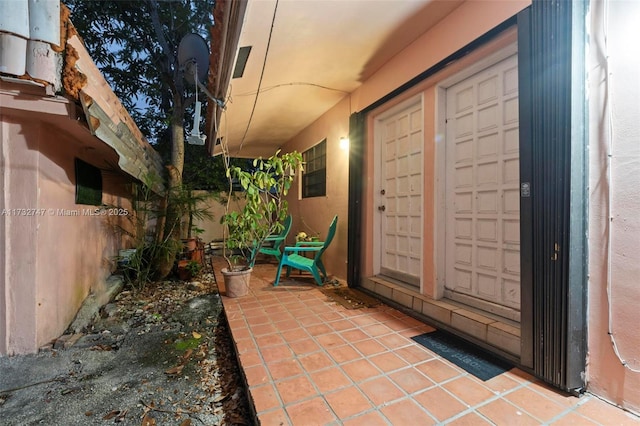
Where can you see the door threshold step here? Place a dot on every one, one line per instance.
(490, 331)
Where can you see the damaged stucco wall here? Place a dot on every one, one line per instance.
(56, 106)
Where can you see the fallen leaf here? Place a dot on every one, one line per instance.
(121, 416)
(175, 370)
(186, 422)
(147, 420)
(196, 335)
(101, 348)
(187, 354)
(220, 398)
(111, 415)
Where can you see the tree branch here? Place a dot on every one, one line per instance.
(157, 27)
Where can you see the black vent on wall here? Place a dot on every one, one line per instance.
(88, 184)
(553, 191)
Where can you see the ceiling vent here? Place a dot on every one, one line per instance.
(241, 62)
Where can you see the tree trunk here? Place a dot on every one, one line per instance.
(171, 226)
(177, 138)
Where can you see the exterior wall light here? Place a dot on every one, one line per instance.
(344, 143)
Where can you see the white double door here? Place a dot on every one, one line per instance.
(482, 196)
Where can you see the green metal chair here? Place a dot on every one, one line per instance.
(291, 257)
(275, 249)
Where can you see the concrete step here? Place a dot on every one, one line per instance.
(496, 334)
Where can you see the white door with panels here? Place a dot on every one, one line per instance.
(399, 193)
(482, 196)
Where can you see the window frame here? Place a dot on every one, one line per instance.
(314, 174)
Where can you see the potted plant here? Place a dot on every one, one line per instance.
(188, 269)
(245, 230)
(194, 267)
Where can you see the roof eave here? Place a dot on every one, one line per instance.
(225, 35)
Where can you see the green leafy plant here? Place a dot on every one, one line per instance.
(150, 228)
(265, 208)
(197, 231)
(193, 267)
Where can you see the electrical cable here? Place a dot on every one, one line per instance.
(294, 83)
(264, 65)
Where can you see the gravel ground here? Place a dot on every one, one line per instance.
(162, 356)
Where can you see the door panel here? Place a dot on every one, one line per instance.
(482, 188)
(400, 194)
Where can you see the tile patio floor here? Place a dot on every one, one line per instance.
(310, 361)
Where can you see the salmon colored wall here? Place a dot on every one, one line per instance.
(614, 246)
(313, 215)
(19, 242)
(469, 21)
(53, 261)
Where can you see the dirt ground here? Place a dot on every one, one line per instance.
(162, 356)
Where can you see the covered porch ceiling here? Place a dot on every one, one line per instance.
(305, 56)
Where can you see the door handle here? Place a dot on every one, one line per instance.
(382, 208)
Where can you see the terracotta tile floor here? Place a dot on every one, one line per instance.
(309, 361)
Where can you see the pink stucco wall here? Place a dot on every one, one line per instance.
(51, 261)
(313, 215)
(469, 21)
(614, 205)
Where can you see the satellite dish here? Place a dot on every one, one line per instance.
(193, 59)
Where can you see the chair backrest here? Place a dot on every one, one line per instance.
(285, 231)
(327, 241)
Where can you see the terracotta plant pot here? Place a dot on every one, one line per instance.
(190, 243)
(183, 273)
(236, 283)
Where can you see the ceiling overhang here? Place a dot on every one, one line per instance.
(305, 57)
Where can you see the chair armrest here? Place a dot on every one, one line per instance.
(309, 243)
(297, 249)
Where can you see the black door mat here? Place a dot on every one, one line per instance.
(463, 354)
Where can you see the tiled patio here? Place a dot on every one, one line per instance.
(310, 361)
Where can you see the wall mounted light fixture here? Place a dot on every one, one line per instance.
(344, 143)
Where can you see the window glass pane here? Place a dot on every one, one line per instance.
(88, 184)
(314, 175)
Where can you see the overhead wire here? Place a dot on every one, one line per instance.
(295, 83)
